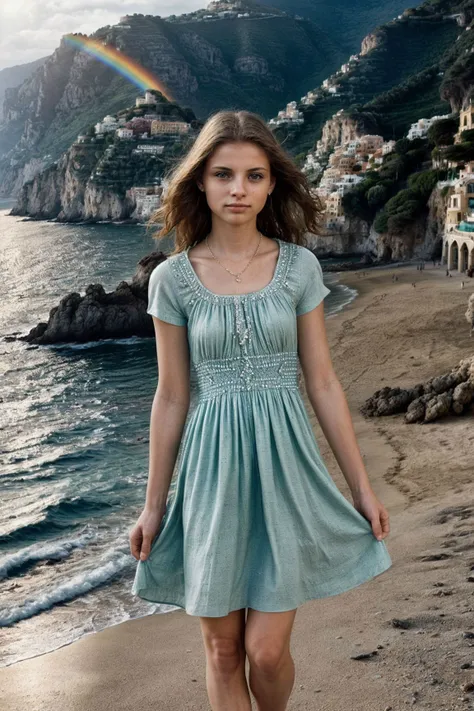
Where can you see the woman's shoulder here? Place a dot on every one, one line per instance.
(164, 293)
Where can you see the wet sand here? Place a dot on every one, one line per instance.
(410, 620)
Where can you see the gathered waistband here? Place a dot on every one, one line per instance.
(247, 372)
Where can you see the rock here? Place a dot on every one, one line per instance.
(364, 655)
(403, 624)
(449, 393)
(98, 314)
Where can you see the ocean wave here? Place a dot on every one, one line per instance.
(57, 517)
(77, 586)
(56, 550)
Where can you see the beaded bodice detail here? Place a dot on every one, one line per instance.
(246, 369)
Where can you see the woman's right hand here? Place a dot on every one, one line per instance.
(143, 533)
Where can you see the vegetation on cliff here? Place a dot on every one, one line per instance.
(395, 196)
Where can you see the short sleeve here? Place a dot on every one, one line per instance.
(163, 299)
(312, 289)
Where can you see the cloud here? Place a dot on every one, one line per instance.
(30, 29)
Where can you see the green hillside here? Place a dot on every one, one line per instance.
(346, 20)
(297, 54)
(400, 79)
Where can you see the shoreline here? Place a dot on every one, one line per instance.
(388, 333)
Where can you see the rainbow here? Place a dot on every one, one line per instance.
(121, 63)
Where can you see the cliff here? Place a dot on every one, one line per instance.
(371, 41)
(205, 65)
(346, 126)
(422, 239)
(68, 191)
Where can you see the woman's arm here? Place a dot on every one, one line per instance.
(169, 409)
(168, 416)
(330, 406)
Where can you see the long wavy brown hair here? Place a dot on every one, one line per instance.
(289, 213)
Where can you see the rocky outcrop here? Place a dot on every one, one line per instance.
(422, 239)
(404, 245)
(449, 394)
(98, 315)
(65, 192)
(339, 129)
(351, 238)
(435, 222)
(371, 41)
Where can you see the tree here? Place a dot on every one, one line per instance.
(459, 152)
(467, 136)
(402, 146)
(423, 183)
(402, 210)
(441, 133)
(377, 196)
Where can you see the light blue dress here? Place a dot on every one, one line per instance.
(255, 519)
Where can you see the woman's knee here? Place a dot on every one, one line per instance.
(267, 639)
(266, 656)
(225, 653)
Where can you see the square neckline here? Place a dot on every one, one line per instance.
(258, 292)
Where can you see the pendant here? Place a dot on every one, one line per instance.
(237, 278)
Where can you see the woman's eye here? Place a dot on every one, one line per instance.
(223, 173)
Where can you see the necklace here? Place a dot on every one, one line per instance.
(237, 276)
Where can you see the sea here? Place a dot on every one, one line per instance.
(74, 421)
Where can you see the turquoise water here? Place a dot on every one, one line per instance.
(73, 439)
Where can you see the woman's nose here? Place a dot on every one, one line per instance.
(238, 188)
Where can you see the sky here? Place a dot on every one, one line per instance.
(30, 29)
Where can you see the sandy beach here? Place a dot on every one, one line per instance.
(412, 620)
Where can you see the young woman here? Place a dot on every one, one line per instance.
(256, 525)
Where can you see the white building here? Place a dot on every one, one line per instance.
(388, 147)
(108, 123)
(347, 183)
(288, 115)
(124, 133)
(149, 98)
(312, 164)
(150, 148)
(419, 129)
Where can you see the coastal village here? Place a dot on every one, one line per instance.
(348, 164)
(334, 173)
(145, 131)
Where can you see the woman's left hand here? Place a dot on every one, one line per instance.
(374, 511)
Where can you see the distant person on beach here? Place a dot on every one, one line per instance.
(255, 525)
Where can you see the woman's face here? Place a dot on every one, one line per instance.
(238, 173)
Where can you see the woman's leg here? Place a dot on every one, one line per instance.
(225, 661)
(267, 645)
